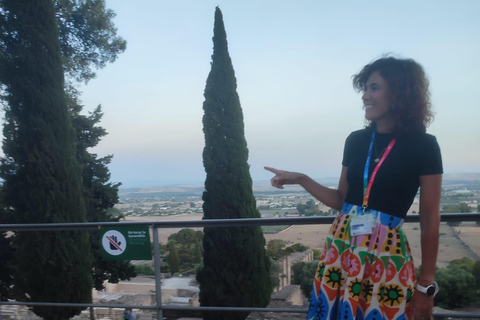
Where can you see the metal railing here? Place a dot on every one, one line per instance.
(159, 307)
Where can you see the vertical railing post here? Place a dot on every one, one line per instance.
(158, 284)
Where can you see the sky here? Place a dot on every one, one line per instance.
(293, 62)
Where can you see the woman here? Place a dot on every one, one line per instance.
(366, 269)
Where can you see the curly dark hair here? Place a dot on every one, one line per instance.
(408, 88)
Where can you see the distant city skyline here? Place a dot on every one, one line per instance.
(293, 63)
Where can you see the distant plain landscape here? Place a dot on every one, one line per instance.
(183, 202)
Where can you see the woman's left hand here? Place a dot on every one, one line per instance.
(421, 306)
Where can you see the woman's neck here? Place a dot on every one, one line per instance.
(385, 126)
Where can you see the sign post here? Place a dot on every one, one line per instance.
(125, 243)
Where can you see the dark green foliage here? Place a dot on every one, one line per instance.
(297, 247)
(308, 209)
(301, 207)
(236, 268)
(297, 273)
(185, 256)
(464, 263)
(197, 252)
(460, 207)
(111, 271)
(6, 255)
(476, 273)
(188, 248)
(88, 37)
(276, 270)
(458, 283)
(90, 23)
(87, 40)
(303, 275)
(450, 209)
(172, 259)
(457, 287)
(464, 207)
(144, 269)
(100, 195)
(6, 274)
(198, 267)
(42, 178)
(186, 236)
(276, 248)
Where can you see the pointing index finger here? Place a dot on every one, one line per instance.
(272, 170)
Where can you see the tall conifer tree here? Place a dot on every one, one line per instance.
(88, 40)
(42, 178)
(100, 195)
(236, 268)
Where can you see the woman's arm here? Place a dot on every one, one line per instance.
(332, 198)
(430, 192)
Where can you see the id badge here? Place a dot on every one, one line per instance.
(361, 224)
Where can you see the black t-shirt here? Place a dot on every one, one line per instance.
(397, 181)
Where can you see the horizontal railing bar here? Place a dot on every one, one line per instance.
(185, 308)
(457, 315)
(447, 217)
(250, 309)
(170, 223)
(77, 305)
(293, 310)
(451, 217)
(164, 307)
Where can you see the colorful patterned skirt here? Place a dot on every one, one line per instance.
(361, 277)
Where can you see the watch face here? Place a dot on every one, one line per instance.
(430, 290)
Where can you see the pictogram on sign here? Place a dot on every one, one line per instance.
(123, 243)
(114, 242)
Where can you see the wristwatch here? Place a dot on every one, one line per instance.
(430, 290)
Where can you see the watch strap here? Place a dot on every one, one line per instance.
(424, 290)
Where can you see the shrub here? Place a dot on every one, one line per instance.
(456, 287)
(144, 269)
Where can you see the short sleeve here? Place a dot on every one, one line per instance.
(347, 151)
(431, 157)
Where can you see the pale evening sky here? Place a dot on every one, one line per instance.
(293, 62)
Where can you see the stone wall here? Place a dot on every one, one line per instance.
(286, 264)
(289, 297)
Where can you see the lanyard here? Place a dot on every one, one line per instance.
(367, 184)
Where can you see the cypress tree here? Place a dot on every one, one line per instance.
(6, 254)
(236, 268)
(173, 261)
(42, 178)
(6, 279)
(197, 253)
